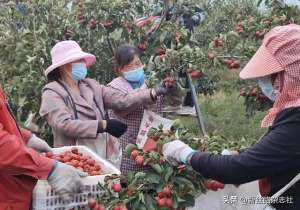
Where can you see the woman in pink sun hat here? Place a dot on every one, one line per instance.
(74, 105)
(275, 158)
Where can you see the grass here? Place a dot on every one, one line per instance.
(224, 114)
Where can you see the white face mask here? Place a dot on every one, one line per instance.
(265, 83)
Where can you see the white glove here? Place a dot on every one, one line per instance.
(178, 150)
(38, 144)
(66, 181)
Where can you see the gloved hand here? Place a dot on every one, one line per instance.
(38, 144)
(65, 181)
(178, 150)
(114, 127)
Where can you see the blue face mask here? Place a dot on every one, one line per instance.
(135, 77)
(79, 71)
(266, 86)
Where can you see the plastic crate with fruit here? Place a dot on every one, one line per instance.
(83, 159)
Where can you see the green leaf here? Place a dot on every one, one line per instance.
(163, 36)
(149, 202)
(141, 197)
(169, 172)
(116, 34)
(153, 178)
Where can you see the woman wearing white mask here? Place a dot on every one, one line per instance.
(131, 79)
(275, 159)
(74, 106)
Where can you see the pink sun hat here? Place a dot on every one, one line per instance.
(66, 52)
(280, 48)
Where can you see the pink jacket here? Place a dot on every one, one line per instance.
(57, 109)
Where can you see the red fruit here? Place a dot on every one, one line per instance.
(211, 55)
(160, 51)
(92, 203)
(134, 154)
(228, 61)
(93, 24)
(253, 92)
(208, 184)
(80, 17)
(116, 187)
(108, 24)
(215, 185)
(167, 191)
(123, 207)
(140, 160)
(142, 46)
(98, 207)
(239, 29)
(268, 22)
(91, 162)
(196, 74)
(97, 168)
(235, 64)
(161, 195)
(217, 42)
(116, 207)
(169, 202)
(74, 150)
(161, 202)
(75, 163)
(263, 98)
(243, 93)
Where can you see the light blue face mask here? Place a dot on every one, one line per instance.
(79, 71)
(135, 77)
(265, 83)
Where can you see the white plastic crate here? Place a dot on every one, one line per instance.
(45, 199)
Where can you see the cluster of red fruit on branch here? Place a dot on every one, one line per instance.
(78, 160)
(260, 34)
(169, 81)
(232, 63)
(94, 205)
(252, 91)
(164, 198)
(119, 206)
(239, 28)
(217, 42)
(116, 187)
(194, 73)
(137, 157)
(160, 51)
(143, 45)
(93, 24)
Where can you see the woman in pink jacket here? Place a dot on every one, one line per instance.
(74, 106)
(130, 81)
